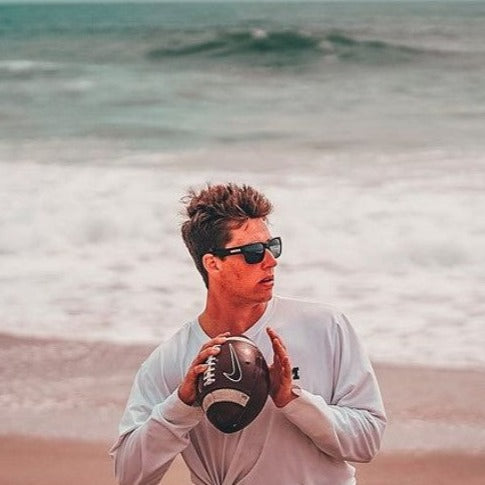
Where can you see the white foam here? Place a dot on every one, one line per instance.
(23, 66)
(93, 251)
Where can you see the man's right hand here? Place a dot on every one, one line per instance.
(187, 390)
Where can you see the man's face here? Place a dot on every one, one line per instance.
(248, 283)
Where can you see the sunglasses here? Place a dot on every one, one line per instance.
(253, 253)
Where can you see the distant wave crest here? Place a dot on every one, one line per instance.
(24, 69)
(284, 47)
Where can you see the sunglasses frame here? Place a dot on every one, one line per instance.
(221, 252)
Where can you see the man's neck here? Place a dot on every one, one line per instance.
(234, 317)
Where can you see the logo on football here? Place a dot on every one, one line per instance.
(235, 386)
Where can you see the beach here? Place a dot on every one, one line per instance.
(62, 400)
(41, 462)
(362, 122)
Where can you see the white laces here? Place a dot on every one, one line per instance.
(209, 375)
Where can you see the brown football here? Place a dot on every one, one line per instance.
(235, 386)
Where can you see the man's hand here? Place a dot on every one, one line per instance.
(187, 390)
(280, 372)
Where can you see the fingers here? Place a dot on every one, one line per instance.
(212, 347)
(280, 371)
(281, 359)
(287, 369)
(197, 369)
(279, 348)
(284, 367)
(205, 354)
(188, 388)
(275, 337)
(217, 340)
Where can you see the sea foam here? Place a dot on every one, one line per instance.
(95, 253)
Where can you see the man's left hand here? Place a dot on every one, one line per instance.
(280, 372)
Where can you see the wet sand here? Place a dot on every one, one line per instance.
(61, 402)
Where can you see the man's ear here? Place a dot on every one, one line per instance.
(211, 263)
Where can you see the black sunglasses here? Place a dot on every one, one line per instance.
(253, 253)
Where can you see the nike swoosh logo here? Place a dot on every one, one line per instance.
(236, 374)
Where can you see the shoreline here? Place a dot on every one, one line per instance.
(37, 461)
(62, 401)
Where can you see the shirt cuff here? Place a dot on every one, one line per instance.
(175, 411)
(300, 408)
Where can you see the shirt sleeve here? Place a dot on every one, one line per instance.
(154, 429)
(351, 425)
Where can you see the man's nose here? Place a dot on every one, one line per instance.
(269, 260)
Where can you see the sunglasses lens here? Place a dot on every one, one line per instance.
(253, 253)
(275, 247)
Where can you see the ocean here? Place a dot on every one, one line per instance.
(363, 122)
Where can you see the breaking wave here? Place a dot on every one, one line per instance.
(284, 47)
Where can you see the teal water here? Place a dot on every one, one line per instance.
(178, 76)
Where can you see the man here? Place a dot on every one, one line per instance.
(325, 407)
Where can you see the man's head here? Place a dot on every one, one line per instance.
(222, 214)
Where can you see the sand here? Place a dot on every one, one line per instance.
(61, 402)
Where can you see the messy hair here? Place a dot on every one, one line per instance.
(213, 212)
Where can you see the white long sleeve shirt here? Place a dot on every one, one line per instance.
(338, 417)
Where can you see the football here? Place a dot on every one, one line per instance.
(235, 386)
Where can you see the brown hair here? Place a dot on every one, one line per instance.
(214, 212)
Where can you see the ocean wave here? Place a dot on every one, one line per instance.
(282, 47)
(26, 68)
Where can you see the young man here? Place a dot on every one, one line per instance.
(325, 407)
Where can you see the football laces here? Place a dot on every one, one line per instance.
(209, 375)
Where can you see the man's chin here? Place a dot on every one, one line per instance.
(265, 296)
(262, 295)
